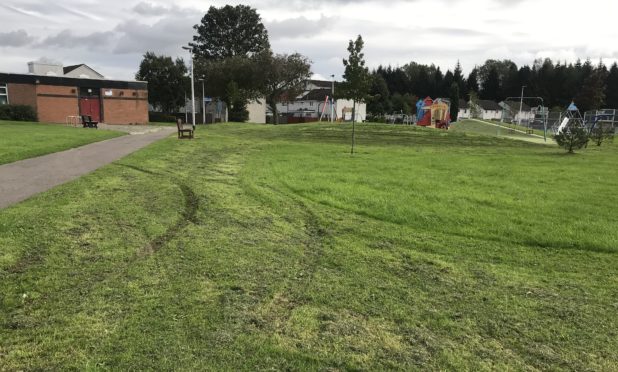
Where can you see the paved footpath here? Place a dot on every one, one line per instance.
(25, 178)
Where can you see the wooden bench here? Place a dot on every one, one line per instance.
(182, 130)
(88, 123)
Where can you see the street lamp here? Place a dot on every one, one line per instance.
(521, 103)
(332, 101)
(203, 102)
(192, 84)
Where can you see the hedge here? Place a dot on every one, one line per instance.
(17, 113)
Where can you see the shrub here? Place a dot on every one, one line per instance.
(17, 113)
(573, 138)
(602, 132)
(159, 117)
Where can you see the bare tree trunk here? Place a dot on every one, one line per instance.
(353, 126)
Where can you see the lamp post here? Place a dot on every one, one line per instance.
(521, 103)
(203, 102)
(332, 100)
(192, 84)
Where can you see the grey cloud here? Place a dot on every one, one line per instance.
(149, 9)
(298, 27)
(66, 39)
(166, 35)
(15, 38)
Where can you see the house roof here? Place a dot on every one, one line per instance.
(514, 106)
(321, 83)
(488, 105)
(463, 104)
(315, 95)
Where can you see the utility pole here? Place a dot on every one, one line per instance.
(332, 101)
(192, 84)
(521, 103)
(203, 102)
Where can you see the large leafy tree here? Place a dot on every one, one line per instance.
(282, 74)
(167, 81)
(228, 43)
(357, 79)
(230, 31)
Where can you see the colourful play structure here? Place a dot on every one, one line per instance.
(432, 113)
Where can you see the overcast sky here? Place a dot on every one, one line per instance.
(112, 35)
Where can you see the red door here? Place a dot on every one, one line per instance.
(90, 106)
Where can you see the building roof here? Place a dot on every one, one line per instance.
(514, 106)
(463, 104)
(68, 69)
(72, 82)
(315, 95)
(488, 105)
(321, 83)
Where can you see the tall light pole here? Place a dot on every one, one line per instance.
(203, 102)
(332, 100)
(521, 103)
(192, 84)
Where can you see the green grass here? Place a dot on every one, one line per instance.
(261, 247)
(490, 128)
(23, 140)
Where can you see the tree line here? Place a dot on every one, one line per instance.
(590, 86)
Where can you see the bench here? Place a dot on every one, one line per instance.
(182, 129)
(87, 122)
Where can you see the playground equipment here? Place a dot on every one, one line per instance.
(433, 113)
(604, 117)
(571, 118)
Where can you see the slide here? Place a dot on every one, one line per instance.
(563, 124)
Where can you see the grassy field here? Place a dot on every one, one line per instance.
(21, 140)
(261, 247)
(497, 129)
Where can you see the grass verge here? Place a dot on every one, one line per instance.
(261, 247)
(23, 140)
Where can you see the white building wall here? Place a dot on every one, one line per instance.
(257, 111)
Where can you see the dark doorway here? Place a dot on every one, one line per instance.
(90, 103)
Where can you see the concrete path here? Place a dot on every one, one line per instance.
(25, 178)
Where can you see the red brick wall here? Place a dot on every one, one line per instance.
(125, 106)
(22, 94)
(55, 103)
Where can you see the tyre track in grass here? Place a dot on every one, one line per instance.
(188, 215)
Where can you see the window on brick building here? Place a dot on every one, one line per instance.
(4, 94)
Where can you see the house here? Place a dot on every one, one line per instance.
(485, 109)
(464, 110)
(57, 96)
(314, 103)
(511, 112)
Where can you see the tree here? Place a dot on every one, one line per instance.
(282, 74)
(602, 132)
(357, 79)
(592, 93)
(230, 31)
(237, 72)
(572, 138)
(611, 91)
(454, 96)
(236, 103)
(475, 111)
(472, 83)
(491, 85)
(167, 81)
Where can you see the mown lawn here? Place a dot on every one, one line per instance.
(261, 247)
(23, 140)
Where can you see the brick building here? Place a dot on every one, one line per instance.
(57, 92)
